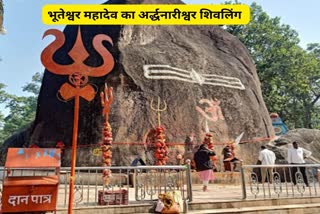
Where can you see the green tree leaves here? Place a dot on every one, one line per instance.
(22, 109)
(289, 75)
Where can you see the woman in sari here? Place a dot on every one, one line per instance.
(204, 165)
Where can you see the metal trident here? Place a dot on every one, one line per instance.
(106, 101)
(78, 73)
(158, 109)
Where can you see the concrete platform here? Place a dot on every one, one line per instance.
(227, 178)
(219, 199)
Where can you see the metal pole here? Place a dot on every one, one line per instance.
(74, 151)
(189, 181)
(243, 182)
(136, 188)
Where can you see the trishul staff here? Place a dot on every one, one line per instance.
(106, 97)
(78, 74)
(160, 148)
(158, 109)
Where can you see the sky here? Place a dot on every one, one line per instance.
(21, 47)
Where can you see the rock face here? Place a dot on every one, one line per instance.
(307, 138)
(195, 62)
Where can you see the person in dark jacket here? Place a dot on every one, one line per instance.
(204, 165)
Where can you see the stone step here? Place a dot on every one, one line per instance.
(114, 209)
(251, 203)
(282, 209)
(272, 206)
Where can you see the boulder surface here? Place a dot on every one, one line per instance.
(205, 76)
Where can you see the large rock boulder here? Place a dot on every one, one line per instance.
(182, 65)
(307, 138)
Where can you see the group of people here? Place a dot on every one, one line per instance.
(205, 156)
(296, 156)
(205, 160)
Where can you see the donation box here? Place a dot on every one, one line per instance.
(25, 191)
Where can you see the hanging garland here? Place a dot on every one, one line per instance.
(161, 149)
(106, 149)
(106, 146)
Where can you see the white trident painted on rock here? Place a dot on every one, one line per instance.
(171, 73)
(158, 109)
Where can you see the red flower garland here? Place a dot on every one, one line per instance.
(106, 148)
(161, 149)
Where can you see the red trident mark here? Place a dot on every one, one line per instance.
(106, 101)
(106, 146)
(78, 77)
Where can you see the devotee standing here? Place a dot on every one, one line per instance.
(209, 141)
(296, 155)
(268, 158)
(228, 153)
(204, 165)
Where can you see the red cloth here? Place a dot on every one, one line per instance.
(206, 175)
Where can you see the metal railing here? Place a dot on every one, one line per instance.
(280, 181)
(135, 184)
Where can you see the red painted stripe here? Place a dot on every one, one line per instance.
(177, 143)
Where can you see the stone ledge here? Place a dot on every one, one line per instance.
(114, 209)
(284, 209)
(252, 203)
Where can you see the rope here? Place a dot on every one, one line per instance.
(176, 144)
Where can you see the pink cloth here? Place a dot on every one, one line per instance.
(206, 175)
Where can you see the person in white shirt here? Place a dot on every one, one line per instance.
(267, 157)
(296, 155)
